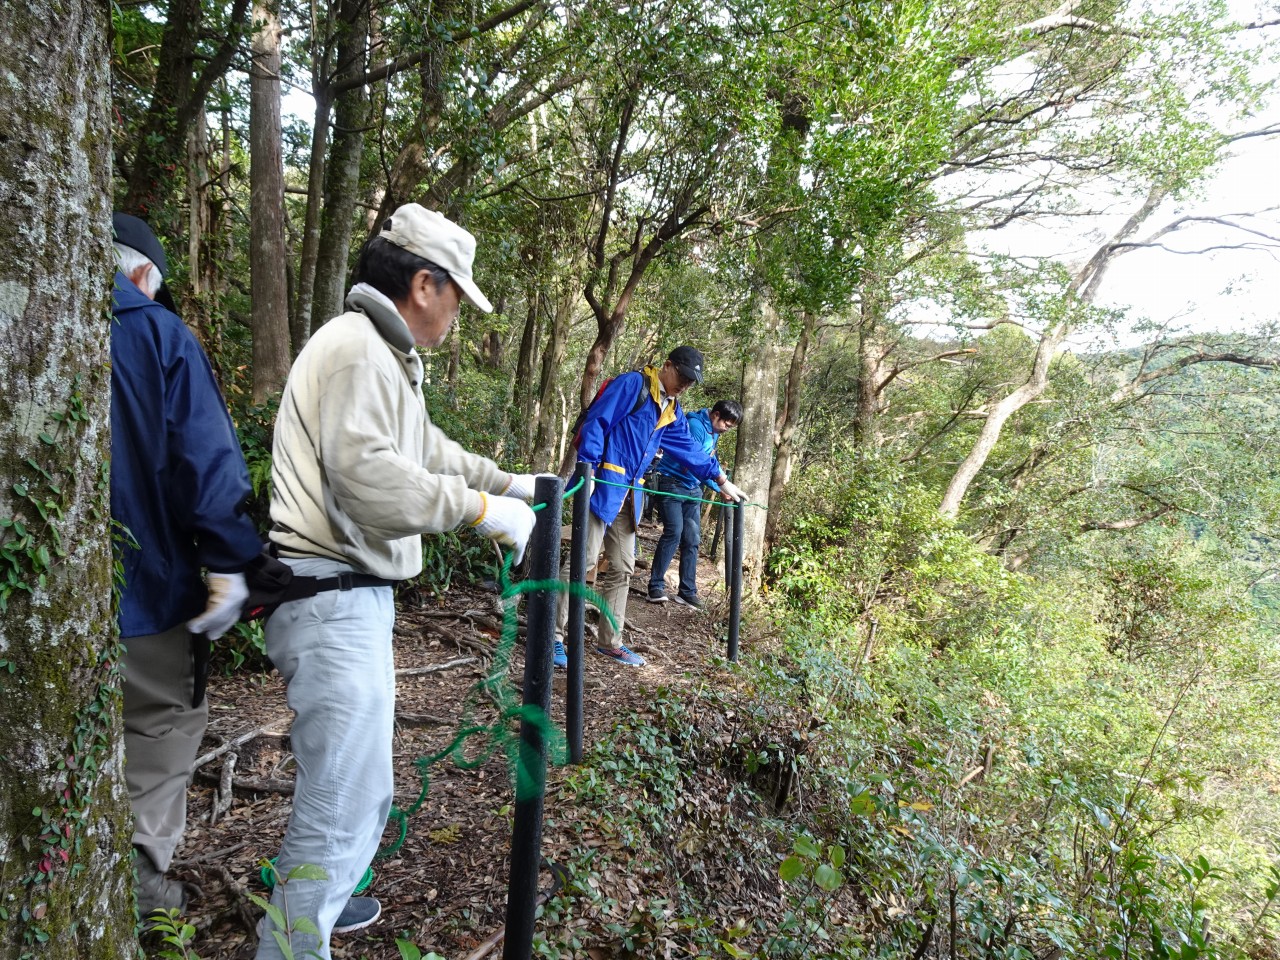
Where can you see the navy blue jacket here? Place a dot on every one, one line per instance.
(621, 444)
(178, 479)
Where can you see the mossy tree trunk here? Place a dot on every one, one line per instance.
(65, 889)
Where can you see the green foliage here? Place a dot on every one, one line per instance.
(867, 540)
(30, 541)
(283, 928)
(176, 935)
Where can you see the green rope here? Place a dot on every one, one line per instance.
(679, 496)
(500, 735)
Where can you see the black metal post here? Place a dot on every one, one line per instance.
(735, 584)
(577, 612)
(726, 521)
(526, 837)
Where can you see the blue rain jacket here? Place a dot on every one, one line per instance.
(178, 479)
(620, 444)
(702, 434)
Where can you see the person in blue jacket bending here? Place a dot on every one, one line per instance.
(179, 487)
(621, 432)
(682, 511)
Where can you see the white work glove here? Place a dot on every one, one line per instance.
(732, 491)
(227, 594)
(507, 521)
(520, 487)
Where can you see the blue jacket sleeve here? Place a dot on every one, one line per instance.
(206, 462)
(679, 444)
(617, 400)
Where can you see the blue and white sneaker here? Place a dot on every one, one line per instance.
(622, 655)
(559, 657)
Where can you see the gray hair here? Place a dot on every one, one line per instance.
(130, 260)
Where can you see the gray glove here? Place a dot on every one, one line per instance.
(507, 521)
(227, 594)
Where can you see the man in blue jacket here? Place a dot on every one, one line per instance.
(633, 416)
(682, 509)
(178, 486)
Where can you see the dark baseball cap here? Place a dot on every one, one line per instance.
(135, 234)
(688, 362)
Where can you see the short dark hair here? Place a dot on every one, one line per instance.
(390, 269)
(728, 410)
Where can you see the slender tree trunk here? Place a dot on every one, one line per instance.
(266, 229)
(64, 810)
(1083, 287)
(786, 427)
(871, 360)
(342, 176)
(549, 427)
(303, 320)
(199, 300)
(754, 459)
(528, 402)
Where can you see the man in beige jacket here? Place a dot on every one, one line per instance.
(359, 472)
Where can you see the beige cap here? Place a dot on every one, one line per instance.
(435, 237)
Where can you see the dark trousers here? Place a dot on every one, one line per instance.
(682, 528)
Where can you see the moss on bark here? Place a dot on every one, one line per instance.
(64, 813)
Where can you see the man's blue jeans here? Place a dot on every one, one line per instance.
(681, 527)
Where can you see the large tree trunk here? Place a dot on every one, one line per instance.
(754, 459)
(64, 810)
(342, 176)
(266, 229)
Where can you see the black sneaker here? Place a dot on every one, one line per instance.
(689, 601)
(359, 913)
(657, 596)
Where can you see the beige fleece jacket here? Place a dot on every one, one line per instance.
(358, 469)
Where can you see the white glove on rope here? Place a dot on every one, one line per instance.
(507, 521)
(227, 594)
(520, 487)
(732, 492)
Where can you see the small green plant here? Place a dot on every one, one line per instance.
(176, 935)
(282, 927)
(409, 950)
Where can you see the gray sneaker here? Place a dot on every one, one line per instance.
(360, 912)
(155, 890)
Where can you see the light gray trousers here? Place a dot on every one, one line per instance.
(334, 652)
(162, 733)
(619, 542)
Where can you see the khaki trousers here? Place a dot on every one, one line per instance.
(619, 542)
(162, 733)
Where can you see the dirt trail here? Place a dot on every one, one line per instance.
(446, 886)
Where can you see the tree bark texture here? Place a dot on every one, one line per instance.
(267, 252)
(64, 810)
(754, 458)
(786, 427)
(342, 173)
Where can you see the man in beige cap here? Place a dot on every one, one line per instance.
(359, 472)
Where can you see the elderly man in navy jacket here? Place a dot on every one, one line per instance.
(625, 425)
(178, 487)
